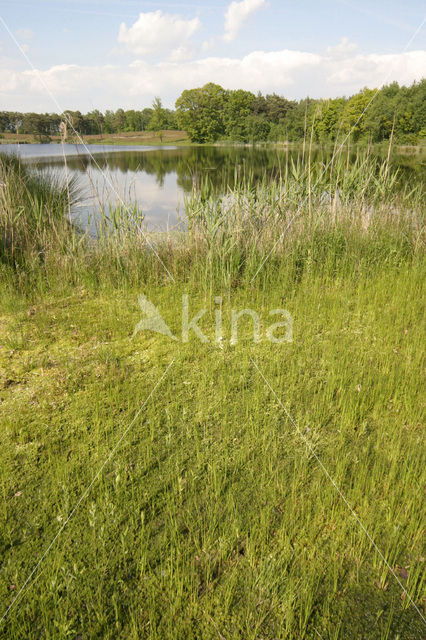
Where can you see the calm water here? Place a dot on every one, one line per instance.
(158, 179)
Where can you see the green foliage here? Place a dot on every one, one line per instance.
(257, 128)
(200, 112)
(277, 108)
(41, 125)
(354, 113)
(328, 119)
(211, 113)
(94, 122)
(239, 105)
(299, 119)
(158, 119)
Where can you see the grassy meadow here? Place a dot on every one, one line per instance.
(157, 488)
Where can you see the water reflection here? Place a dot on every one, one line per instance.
(157, 179)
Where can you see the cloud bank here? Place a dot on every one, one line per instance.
(294, 74)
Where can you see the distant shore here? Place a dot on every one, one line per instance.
(150, 138)
(175, 138)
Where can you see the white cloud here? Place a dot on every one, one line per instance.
(257, 70)
(237, 13)
(24, 34)
(294, 74)
(373, 69)
(208, 44)
(10, 82)
(156, 32)
(182, 53)
(344, 47)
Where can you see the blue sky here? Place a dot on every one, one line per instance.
(105, 54)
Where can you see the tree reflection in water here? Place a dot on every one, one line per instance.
(158, 179)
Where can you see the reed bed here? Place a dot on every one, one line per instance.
(302, 204)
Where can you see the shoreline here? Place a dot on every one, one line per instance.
(122, 140)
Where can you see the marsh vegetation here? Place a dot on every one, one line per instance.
(214, 518)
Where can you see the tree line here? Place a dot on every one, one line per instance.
(211, 113)
(45, 125)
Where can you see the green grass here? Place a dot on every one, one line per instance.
(213, 519)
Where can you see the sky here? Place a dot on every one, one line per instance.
(106, 54)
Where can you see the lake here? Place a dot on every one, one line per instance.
(159, 178)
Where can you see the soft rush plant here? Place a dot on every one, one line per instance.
(33, 208)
